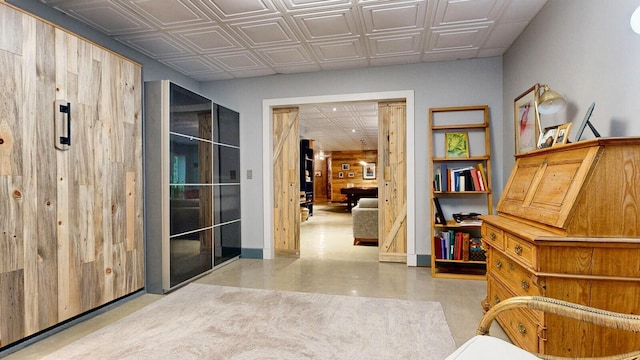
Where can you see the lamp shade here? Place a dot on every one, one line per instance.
(635, 20)
(550, 102)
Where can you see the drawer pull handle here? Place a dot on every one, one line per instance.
(524, 284)
(522, 329)
(518, 249)
(493, 236)
(499, 264)
(496, 299)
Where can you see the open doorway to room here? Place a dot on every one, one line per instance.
(338, 153)
(398, 202)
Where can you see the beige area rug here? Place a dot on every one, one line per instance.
(218, 322)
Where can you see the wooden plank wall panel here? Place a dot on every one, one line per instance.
(11, 238)
(11, 23)
(66, 307)
(72, 219)
(10, 127)
(47, 267)
(11, 306)
(30, 176)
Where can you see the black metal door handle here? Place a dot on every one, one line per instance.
(66, 140)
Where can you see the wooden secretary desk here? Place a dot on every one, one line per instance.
(568, 227)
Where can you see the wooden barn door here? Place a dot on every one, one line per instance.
(392, 186)
(71, 215)
(286, 182)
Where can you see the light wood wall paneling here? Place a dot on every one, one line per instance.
(71, 232)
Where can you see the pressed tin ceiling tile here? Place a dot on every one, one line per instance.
(211, 40)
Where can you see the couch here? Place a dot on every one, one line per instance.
(365, 221)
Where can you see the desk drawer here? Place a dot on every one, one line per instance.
(520, 249)
(493, 236)
(518, 279)
(519, 324)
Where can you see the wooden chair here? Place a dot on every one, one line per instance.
(486, 347)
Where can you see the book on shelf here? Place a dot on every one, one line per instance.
(454, 245)
(476, 179)
(458, 246)
(468, 178)
(439, 215)
(437, 179)
(483, 176)
(466, 242)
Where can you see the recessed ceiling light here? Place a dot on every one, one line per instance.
(353, 130)
(334, 109)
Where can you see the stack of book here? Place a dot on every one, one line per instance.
(454, 245)
(468, 178)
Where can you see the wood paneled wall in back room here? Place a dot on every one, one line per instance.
(352, 159)
(320, 181)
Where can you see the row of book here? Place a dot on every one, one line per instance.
(455, 245)
(469, 178)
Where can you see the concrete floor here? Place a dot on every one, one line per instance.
(328, 264)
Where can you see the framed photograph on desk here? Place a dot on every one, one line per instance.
(547, 137)
(562, 135)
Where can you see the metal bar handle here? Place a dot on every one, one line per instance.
(66, 140)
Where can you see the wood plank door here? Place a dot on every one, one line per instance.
(71, 215)
(286, 182)
(392, 184)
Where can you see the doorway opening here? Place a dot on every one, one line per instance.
(338, 141)
(268, 151)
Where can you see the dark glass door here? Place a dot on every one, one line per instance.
(226, 189)
(190, 185)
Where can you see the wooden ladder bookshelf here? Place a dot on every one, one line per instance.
(464, 160)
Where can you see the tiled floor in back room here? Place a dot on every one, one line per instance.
(330, 264)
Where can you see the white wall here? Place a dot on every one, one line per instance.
(454, 83)
(586, 50)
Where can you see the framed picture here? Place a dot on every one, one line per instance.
(345, 167)
(526, 119)
(562, 135)
(351, 174)
(340, 175)
(456, 144)
(369, 171)
(547, 137)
